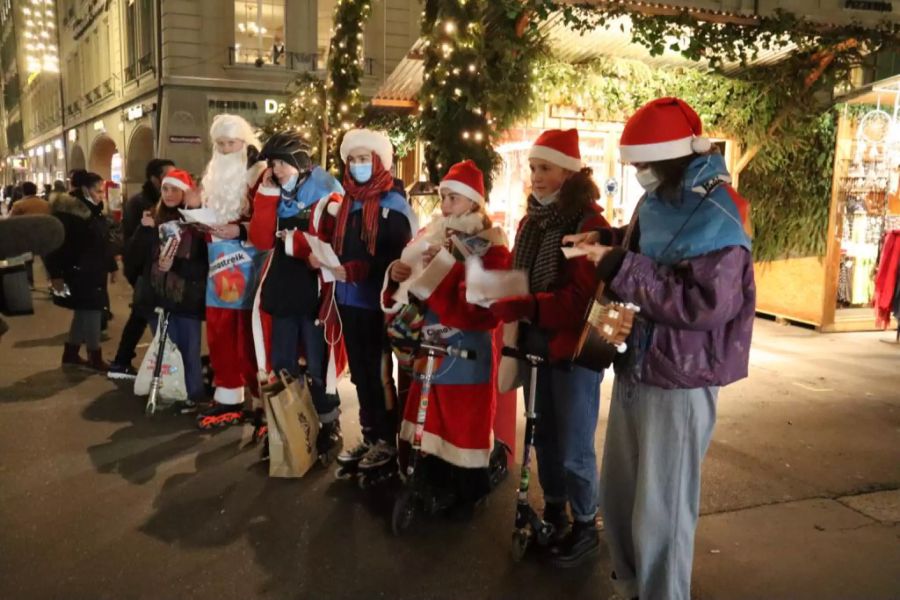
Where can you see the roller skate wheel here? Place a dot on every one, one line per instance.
(342, 474)
(520, 539)
(363, 483)
(404, 513)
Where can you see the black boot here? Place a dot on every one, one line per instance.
(581, 543)
(555, 514)
(330, 442)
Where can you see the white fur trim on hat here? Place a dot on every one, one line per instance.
(458, 187)
(368, 139)
(556, 157)
(233, 127)
(181, 185)
(646, 153)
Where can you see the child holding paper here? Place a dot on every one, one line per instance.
(459, 422)
(562, 202)
(175, 274)
(285, 207)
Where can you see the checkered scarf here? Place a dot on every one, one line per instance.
(538, 244)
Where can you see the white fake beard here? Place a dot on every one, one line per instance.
(225, 185)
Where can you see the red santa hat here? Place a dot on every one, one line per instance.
(560, 147)
(663, 129)
(466, 179)
(180, 179)
(368, 139)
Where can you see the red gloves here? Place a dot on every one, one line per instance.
(515, 308)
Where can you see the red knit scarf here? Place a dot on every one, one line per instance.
(369, 193)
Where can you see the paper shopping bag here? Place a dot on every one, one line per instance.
(172, 386)
(293, 427)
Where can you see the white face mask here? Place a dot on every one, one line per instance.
(648, 179)
(548, 199)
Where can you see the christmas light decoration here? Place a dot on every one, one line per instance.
(40, 53)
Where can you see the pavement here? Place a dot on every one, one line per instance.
(97, 501)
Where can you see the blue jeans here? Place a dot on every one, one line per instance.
(289, 334)
(655, 443)
(567, 406)
(186, 332)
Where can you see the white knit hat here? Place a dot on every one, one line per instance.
(368, 139)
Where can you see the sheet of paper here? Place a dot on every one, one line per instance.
(202, 216)
(412, 256)
(484, 286)
(573, 252)
(325, 253)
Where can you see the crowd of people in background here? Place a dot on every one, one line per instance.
(257, 278)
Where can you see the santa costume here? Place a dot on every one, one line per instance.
(228, 183)
(295, 313)
(459, 418)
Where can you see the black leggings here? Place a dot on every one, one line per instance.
(371, 371)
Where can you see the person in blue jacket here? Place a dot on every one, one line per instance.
(374, 222)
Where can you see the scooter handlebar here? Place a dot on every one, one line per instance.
(420, 346)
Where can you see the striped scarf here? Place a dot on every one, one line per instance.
(538, 244)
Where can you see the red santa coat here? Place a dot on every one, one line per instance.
(262, 234)
(459, 420)
(229, 331)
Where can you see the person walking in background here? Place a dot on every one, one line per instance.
(31, 203)
(79, 269)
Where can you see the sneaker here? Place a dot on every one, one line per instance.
(378, 455)
(352, 456)
(220, 415)
(582, 542)
(118, 371)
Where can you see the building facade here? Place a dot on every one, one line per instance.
(144, 78)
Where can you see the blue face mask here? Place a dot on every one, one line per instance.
(290, 184)
(361, 172)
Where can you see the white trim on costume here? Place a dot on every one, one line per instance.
(470, 458)
(645, 153)
(556, 157)
(462, 189)
(176, 182)
(259, 339)
(433, 275)
(230, 396)
(268, 191)
(289, 242)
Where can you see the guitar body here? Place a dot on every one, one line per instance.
(606, 327)
(594, 351)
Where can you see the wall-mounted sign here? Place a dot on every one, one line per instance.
(272, 106)
(135, 112)
(185, 139)
(869, 5)
(98, 126)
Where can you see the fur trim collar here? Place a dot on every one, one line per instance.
(66, 203)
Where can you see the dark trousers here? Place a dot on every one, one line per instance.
(131, 337)
(370, 371)
(288, 335)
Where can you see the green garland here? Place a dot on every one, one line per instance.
(478, 75)
(401, 128)
(345, 70)
(304, 112)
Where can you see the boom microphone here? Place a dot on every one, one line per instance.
(38, 234)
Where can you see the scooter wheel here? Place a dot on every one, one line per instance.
(404, 513)
(520, 540)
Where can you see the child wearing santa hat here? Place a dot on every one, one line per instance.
(175, 272)
(458, 433)
(687, 265)
(373, 224)
(563, 201)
